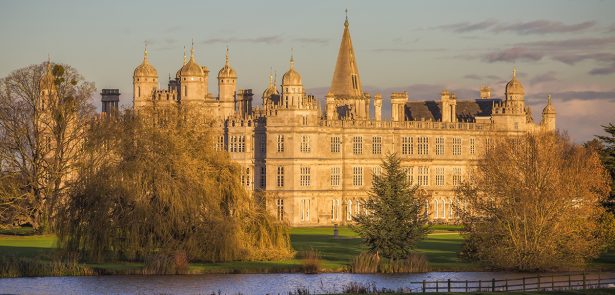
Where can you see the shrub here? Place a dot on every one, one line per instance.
(311, 261)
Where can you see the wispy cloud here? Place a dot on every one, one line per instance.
(550, 76)
(513, 54)
(464, 27)
(539, 27)
(273, 39)
(321, 41)
(409, 49)
(543, 27)
(603, 70)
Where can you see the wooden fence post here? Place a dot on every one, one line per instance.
(569, 283)
(449, 285)
(506, 285)
(552, 283)
(538, 287)
(523, 283)
(437, 287)
(466, 286)
(584, 282)
(493, 285)
(598, 280)
(423, 286)
(480, 285)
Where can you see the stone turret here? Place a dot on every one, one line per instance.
(227, 83)
(144, 81)
(292, 87)
(193, 81)
(548, 116)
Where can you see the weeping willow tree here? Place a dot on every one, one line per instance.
(153, 183)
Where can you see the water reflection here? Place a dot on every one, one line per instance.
(234, 283)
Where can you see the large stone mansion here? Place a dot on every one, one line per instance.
(316, 166)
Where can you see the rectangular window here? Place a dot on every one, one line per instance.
(357, 145)
(457, 176)
(241, 148)
(336, 144)
(305, 209)
(220, 143)
(439, 145)
(376, 171)
(357, 176)
(263, 143)
(376, 145)
(248, 178)
(280, 178)
(422, 145)
(233, 144)
(336, 176)
(305, 176)
(263, 179)
(305, 144)
(423, 176)
(457, 146)
(439, 176)
(409, 174)
(280, 143)
(280, 209)
(472, 146)
(489, 144)
(406, 145)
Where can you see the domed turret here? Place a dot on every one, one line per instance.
(227, 71)
(145, 69)
(514, 86)
(191, 68)
(291, 77)
(144, 82)
(549, 109)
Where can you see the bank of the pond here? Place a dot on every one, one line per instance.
(441, 248)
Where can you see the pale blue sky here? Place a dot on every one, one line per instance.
(566, 48)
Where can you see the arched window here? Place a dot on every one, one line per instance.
(443, 209)
(435, 211)
(139, 91)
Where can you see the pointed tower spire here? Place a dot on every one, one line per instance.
(292, 58)
(270, 76)
(346, 22)
(514, 72)
(346, 79)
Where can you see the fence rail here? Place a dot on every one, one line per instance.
(533, 283)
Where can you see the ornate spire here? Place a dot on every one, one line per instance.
(346, 80)
(549, 99)
(292, 58)
(185, 55)
(270, 77)
(346, 22)
(192, 51)
(145, 53)
(514, 72)
(227, 56)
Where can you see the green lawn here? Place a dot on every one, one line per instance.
(440, 248)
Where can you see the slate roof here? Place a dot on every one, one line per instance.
(467, 111)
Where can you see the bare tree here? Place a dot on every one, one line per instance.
(44, 111)
(534, 203)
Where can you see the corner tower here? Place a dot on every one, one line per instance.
(145, 82)
(227, 84)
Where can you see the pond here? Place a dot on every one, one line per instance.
(243, 283)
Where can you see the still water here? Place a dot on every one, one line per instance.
(233, 283)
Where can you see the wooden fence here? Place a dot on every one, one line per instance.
(533, 283)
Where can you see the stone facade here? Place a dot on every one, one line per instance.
(315, 166)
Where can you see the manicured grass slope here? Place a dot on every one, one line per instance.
(440, 247)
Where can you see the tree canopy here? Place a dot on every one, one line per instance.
(396, 219)
(534, 203)
(153, 184)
